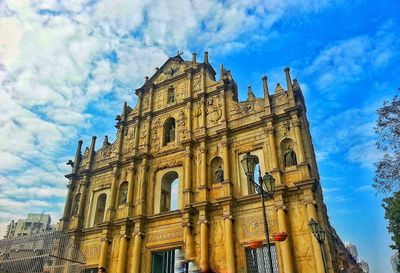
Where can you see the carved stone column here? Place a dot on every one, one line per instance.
(312, 213)
(285, 245)
(141, 189)
(103, 252)
(84, 187)
(123, 245)
(136, 254)
(203, 181)
(272, 144)
(299, 139)
(227, 173)
(67, 208)
(229, 246)
(188, 175)
(188, 239)
(131, 185)
(113, 194)
(204, 257)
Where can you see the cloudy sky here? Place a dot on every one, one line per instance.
(67, 66)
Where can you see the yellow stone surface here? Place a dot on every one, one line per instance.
(211, 127)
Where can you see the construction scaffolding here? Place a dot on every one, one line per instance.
(50, 252)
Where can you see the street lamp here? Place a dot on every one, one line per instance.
(319, 234)
(265, 187)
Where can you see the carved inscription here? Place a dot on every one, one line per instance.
(165, 234)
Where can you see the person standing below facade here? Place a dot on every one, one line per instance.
(101, 270)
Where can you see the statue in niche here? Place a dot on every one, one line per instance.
(290, 158)
(219, 174)
(171, 134)
(124, 197)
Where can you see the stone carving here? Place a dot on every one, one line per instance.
(171, 134)
(91, 253)
(197, 83)
(214, 109)
(197, 115)
(155, 141)
(183, 132)
(290, 158)
(143, 135)
(163, 235)
(156, 123)
(76, 205)
(124, 198)
(130, 138)
(146, 102)
(219, 174)
(160, 99)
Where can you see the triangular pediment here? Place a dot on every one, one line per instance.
(172, 67)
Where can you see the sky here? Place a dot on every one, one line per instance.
(67, 66)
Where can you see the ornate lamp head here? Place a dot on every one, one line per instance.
(249, 163)
(268, 183)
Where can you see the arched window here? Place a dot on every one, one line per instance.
(123, 193)
(171, 95)
(169, 192)
(169, 131)
(100, 209)
(256, 174)
(217, 172)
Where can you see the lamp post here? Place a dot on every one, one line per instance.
(319, 234)
(265, 187)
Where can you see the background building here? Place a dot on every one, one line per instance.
(395, 261)
(34, 224)
(364, 266)
(172, 187)
(352, 249)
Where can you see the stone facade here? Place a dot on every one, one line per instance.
(186, 126)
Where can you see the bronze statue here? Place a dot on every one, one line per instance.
(290, 158)
(219, 174)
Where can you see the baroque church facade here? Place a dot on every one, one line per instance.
(172, 185)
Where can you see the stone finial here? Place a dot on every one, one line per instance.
(250, 94)
(206, 57)
(105, 141)
(194, 57)
(265, 85)
(279, 88)
(146, 79)
(296, 85)
(288, 79)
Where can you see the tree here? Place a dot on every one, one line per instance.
(387, 173)
(392, 214)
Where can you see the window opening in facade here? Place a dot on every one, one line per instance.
(169, 261)
(258, 260)
(169, 131)
(169, 192)
(100, 209)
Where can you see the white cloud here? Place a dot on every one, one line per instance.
(60, 58)
(347, 61)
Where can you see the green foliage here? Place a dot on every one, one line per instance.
(392, 214)
(387, 174)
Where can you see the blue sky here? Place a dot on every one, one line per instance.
(67, 66)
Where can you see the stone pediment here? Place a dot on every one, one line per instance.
(174, 66)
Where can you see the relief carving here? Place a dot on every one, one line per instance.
(197, 115)
(214, 109)
(197, 83)
(166, 234)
